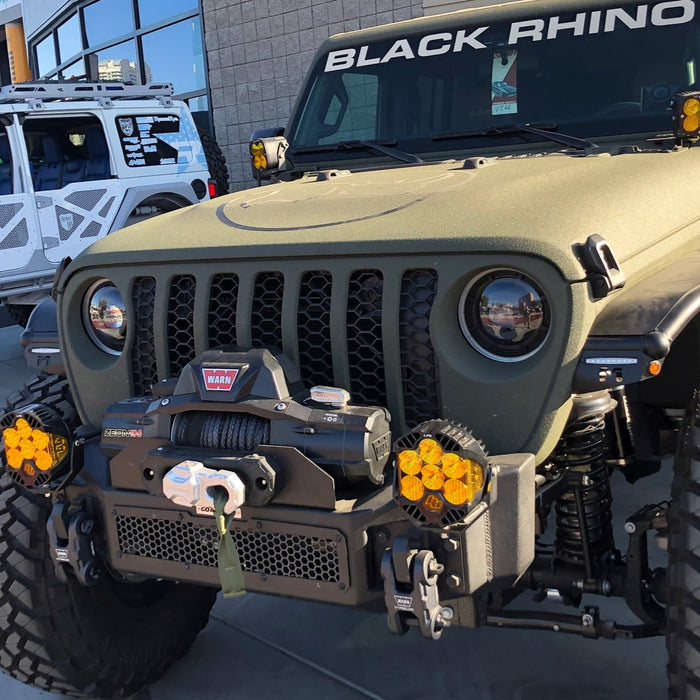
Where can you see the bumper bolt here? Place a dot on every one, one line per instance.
(453, 581)
(630, 528)
(586, 620)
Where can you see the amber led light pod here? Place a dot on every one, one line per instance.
(441, 471)
(35, 445)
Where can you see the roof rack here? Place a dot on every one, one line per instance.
(36, 93)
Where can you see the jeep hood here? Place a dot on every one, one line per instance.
(536, 205)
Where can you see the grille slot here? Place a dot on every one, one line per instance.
(365, 342)
(418, 361)
(181, 322)
(289, 554)
(223, 302)
(266, 318)
(143, 351)
(314, 323)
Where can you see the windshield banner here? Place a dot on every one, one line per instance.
(538, 29)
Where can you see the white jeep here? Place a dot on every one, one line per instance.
(80, 160)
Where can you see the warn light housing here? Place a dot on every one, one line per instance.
(35, 445)
(441, 472)
(686, 115)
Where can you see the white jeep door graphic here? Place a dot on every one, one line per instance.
(19, 237)
(76, 215)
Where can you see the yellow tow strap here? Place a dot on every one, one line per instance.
(230, 571)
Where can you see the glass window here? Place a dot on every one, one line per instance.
(107, 19)
(74, 70)
(69, 40)
(151, 11)
(46, 55)
(116, 63)
(174, 54)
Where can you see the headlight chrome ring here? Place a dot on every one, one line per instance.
(504, 315)
(104, 316)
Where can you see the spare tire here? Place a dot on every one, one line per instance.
(216, 162)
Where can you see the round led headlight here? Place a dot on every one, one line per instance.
(504, 315)
(104, 315)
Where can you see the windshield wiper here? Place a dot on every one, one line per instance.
(395, 153)
(546, 132)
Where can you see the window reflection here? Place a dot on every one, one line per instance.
(69, 41)
(175, 54)
(107, 19)
(117, 63)
(151, 11)
(46, 55)
(74, 71)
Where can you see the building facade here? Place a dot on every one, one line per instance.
(238, 63)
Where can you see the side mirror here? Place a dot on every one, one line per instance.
(267, 152)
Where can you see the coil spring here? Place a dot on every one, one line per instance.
(220, 431)
(583, 514)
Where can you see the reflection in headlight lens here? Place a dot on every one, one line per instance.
(105, 317)
(504, 315)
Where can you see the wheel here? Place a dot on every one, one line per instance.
(683, 606)
(215, 161)
(19, 313)
(108, 640)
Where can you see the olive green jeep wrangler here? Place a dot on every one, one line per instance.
(398, 377)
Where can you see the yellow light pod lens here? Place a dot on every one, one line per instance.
(28, 469)
(691, 123)
(43, 461)
(430, 451)
(432, 477)
(474, 478)
(691, 106)
(410, 462)
(11, 437)
(40, 439)
(23, 428)
(14, 458)
(26, 448)
(433, 503)
(453, 466)
(412, 488)
(257, 153)
(456, 492)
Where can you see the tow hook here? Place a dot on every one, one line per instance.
(70, 533)
(411, 591)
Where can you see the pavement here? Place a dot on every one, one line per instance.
(270, 648)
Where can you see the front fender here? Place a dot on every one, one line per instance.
(639, 327)
(42, 348)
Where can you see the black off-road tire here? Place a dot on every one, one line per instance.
(109, 640)
(216, 163)
(683, 606)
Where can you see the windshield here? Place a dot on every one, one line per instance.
(586, 73)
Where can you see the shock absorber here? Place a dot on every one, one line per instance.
(583, 512)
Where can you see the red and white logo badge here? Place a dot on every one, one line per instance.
(217, 379)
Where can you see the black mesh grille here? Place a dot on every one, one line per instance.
(143, 351)
(314, 323)
(418, 361)
(223, 300)
(266, 319)
(273, 553)
(365, 346)
(181, 323)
